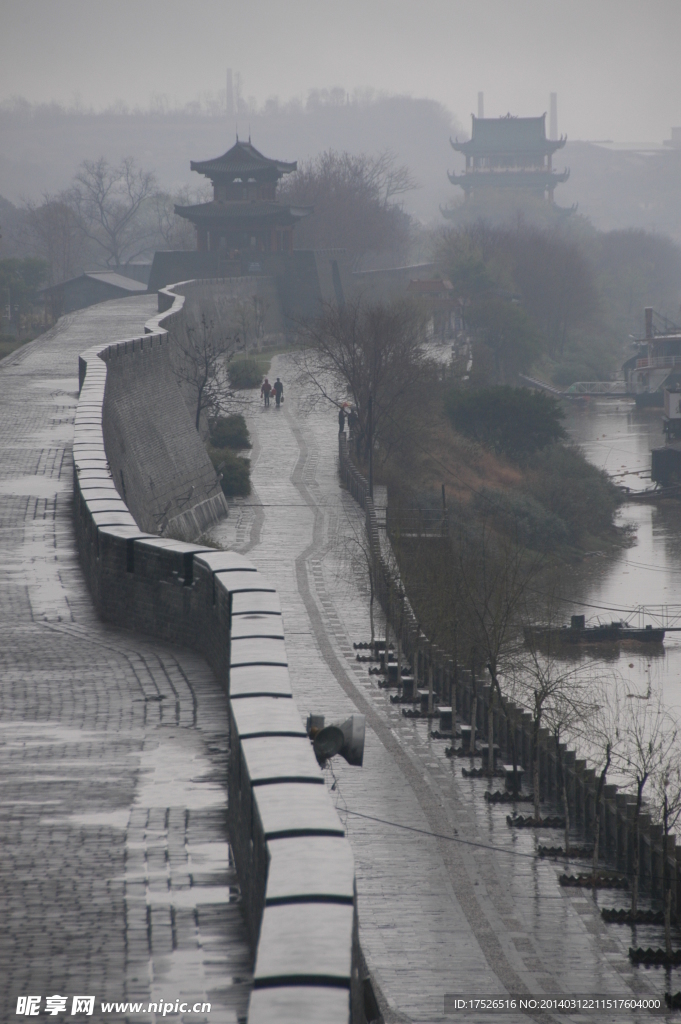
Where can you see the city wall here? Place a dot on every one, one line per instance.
(513, 728)
(294, 862)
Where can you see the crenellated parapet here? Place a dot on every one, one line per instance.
(293, 859)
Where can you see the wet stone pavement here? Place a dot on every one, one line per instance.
(437, 915)
(115, 872)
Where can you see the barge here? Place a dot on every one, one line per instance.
(605, 633)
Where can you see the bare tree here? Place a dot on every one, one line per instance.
(202, 364)
(650, 736)
(493, 577)
(55, 234)
(566, 709)
(667, 784)
(109, 203)
(556, 692)
(353, 199)
(602, 732)
(365, 350)
(173, 231)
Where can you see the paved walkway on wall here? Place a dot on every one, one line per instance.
(436, 915)
(115, 878)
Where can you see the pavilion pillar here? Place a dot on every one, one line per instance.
(201, 237)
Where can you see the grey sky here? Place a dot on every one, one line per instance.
(613, 63)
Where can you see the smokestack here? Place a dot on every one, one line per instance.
(230, 95)
(481, 104)
(553, 119)
(649, 321)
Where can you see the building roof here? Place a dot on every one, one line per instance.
(109, 277)
(431, 286)
(509, 178)
(238, 210)
(242, 160)
(508, 135)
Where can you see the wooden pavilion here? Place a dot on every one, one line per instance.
(509, 153)
(244, 215)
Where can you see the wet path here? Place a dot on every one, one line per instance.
(115, 879)
(437, 915)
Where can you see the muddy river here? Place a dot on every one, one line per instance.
(617, 437)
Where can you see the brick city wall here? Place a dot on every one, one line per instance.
(294, 862)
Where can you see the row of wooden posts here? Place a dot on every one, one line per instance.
(452, 685)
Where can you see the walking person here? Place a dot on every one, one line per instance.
(265, 391)
(278, 389)
(341, 419)
(353, 423)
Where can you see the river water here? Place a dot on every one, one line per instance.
(617, 437)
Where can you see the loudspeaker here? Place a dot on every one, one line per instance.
(344, 738)
(353, 729)
(328, 742)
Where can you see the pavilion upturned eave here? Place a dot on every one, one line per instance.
(243, 160)
(238, 213)
(482, 148)
(520, 178)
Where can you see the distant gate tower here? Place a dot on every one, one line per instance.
(509, 153)
(244, 214)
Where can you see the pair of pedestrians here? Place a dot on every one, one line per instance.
(277, 389)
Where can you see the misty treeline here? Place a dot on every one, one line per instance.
(108, 216)
(560, 298)
(43, 144)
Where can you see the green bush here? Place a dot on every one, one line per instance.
(562, 480)
(512, 421)
(234, 472)
(523, 518)
(246, 373)
(229, 432)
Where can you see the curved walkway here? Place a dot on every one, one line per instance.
(436, 916)
(115, 872)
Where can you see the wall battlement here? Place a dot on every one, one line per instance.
(289, 844)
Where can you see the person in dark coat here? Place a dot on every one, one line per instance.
(265, 391)
(341, 419)
(278, 389)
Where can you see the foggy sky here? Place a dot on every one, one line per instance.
(613, 63)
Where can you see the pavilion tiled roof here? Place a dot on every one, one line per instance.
(508, 134)
(242, 160)
(239, 210)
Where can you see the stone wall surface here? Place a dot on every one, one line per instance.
(289, 844)
(158, 461)
(229, 303)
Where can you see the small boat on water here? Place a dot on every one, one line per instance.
(609, 632)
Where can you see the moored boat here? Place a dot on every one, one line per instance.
(604, 632)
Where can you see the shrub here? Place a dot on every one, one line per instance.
(234, 472)
(523, 518)
(246, 373)
(229, 432)
(562, 480)
(512, 421)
